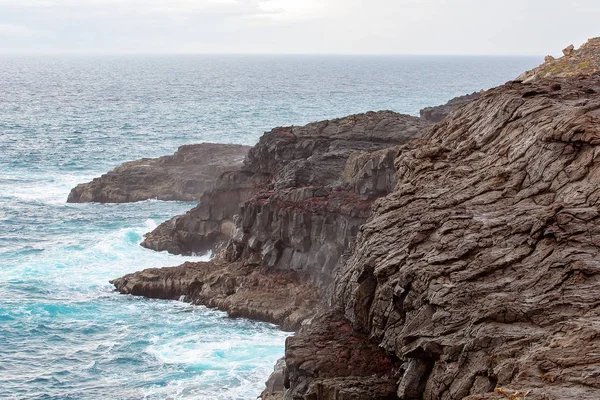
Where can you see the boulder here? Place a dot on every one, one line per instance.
(569, 50)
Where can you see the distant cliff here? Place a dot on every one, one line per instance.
(183, 176)
(438, 113)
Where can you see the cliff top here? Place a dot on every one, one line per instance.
(583, 61)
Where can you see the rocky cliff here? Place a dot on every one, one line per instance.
(184, 176)
(584, 61)
(478, 275)
(278, 297)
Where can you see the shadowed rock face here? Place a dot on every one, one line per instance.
(299, 199)
(184, 176)
(480, 271)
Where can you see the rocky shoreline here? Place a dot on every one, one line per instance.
(413, 260)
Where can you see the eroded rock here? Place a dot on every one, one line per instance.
(294, 206)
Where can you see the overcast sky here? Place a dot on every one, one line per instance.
(297, 26)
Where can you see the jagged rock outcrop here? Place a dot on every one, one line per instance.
(479, 274)
(299, 199)
(185, 176)
(277, 297)
(438, 113)
(584, 61)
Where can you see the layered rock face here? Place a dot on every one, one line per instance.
(479, 274)
(184, 176)
(580, 62)
(299, 199)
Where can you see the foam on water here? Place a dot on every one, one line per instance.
(64, 333)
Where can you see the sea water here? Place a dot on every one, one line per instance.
(64, 332)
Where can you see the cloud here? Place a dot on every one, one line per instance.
(295, 26)
(16, 30)
(285, 10)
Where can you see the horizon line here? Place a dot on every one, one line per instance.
(66, 53)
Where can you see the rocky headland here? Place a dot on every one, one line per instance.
(414, 261)
(184, 176)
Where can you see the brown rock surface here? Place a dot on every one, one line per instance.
(584, 61)
(476, 278)
(185, 176)
(480, 271)
(328, 360)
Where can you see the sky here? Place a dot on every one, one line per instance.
(498, 27)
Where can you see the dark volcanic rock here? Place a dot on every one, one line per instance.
(480, 272)
(184, 176)
(299, 199)
(438, 113)
(277, 297)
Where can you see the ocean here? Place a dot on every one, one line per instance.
(64, 332)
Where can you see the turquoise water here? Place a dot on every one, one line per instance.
(64, 334)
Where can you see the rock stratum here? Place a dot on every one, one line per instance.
(184, 176)
(584, 61)
(458, 261)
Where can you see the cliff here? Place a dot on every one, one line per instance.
(271, 296)
(584, 61)
(184, 176)
(479, 272)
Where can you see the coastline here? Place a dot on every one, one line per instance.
(397, 244)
